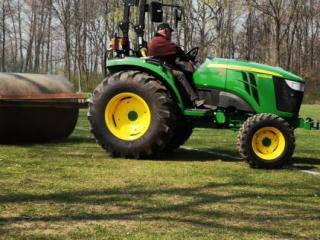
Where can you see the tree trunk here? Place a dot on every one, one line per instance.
(3, 62)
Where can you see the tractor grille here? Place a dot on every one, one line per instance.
(251, 87)
(245, 82)
(254, 90)
(288, 100)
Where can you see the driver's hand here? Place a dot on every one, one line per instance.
(196, 64)
(184, 65)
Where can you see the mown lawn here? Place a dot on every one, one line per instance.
(74, 190)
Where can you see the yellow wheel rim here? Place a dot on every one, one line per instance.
(268, 143)
(127, 116)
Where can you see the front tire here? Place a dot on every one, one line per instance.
(266, 141)
(132, 115)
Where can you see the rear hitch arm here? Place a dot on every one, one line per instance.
(308, 124)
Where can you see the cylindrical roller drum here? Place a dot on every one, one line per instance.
(36, 108)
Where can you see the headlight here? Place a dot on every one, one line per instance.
(297, 86)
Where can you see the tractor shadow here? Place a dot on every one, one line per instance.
(299, 164)
(311, 161)
(208, 155)
(195, 155)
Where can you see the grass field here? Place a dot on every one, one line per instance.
(74, 190)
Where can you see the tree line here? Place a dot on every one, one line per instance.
(71, 37)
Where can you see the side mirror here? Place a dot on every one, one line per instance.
(177, 16)
(156, 12)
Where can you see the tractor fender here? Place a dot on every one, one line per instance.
(151, 67)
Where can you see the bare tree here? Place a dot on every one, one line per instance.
(3, 25)
(282, 13)
(72, 36)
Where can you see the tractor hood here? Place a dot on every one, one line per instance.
(247, 66)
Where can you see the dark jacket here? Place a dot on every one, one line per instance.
(160, 46)
(165, 50)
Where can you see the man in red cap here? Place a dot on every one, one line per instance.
(163, 49)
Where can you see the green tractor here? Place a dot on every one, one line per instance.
(139, 111)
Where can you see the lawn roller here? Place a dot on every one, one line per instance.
(139, 110)
(37, 108)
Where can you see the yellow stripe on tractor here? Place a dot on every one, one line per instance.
(243, 68)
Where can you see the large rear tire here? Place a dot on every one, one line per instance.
(132, 115)
(266, 141)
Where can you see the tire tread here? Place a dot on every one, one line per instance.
(160, 94)
(244, 132)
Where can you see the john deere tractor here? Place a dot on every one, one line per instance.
(139, 110)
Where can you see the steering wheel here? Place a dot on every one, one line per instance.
(192, 54)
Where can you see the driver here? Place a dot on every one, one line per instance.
(167, 52)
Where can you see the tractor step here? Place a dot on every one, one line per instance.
(210, 107)
(198, 112)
